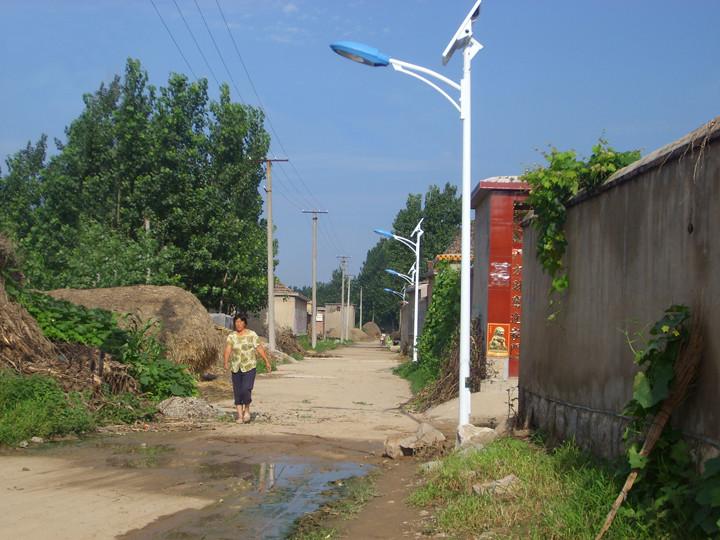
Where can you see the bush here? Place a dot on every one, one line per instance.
(441, 321)
(36, 406)
(158, 377)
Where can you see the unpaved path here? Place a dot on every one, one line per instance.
(317, 420)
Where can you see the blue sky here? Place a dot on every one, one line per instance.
(640, 73)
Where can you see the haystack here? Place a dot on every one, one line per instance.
(24, 348)
(371, 329)
(186, 329)
(358, 335)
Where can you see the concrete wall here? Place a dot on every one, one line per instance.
(333, 320)
(648, 240)
(291, 312)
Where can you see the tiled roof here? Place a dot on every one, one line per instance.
(283, 290)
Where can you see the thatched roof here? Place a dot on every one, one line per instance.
(187, 331)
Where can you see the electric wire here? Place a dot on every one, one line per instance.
(217, 48)
(262, 106)
(177, 45)
(192, 35)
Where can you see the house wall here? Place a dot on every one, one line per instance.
(333, 320)
(301, 317)
(649, 240)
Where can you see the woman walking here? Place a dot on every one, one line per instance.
(241, 351)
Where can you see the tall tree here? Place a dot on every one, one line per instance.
(161, 183)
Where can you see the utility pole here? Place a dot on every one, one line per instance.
(349, 325)
(361, 319)
(343, 268)
(270, 254)
(314, 271)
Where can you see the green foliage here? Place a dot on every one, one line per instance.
(551, 188)
(442, 217)
(159, 378)
(137, 345)
(60, 320)
(37, 406)
(561, 493)
(441, 320)
(668, 490)
(417, 374)
(151, 185)
(322, 345)
(123, 408)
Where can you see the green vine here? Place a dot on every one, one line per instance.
(669, 491)
(551, 188)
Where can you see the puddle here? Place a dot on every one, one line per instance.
(254, 488)
(255, 500)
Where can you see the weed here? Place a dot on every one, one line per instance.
(352, 495)
(561, 493)
(36, 406)
(322, 345)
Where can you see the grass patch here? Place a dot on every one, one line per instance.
(36, 406)
(562, 494)
(416, 374)
(351, 496)
(322, 345)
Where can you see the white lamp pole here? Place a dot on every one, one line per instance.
(462, 40)
(415, 271)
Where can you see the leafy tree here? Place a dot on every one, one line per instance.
(159, 183)
(442, 217)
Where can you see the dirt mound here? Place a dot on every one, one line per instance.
(372, 329)
(358, 335)
(189, 407)
(187, 331)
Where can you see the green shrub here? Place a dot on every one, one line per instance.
(36, 406)
(442, 319)
(158, 377)
(124, 408)
(60, 320)
(417, 374)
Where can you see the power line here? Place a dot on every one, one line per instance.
(192, 35)
(222, 59)
(262, 106)
(173, 39)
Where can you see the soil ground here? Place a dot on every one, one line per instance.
(315, 421)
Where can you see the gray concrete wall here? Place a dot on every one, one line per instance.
(333, 320)
(648, 240)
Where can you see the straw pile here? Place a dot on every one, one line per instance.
(187, 331)
(24, 348)
(371, 329)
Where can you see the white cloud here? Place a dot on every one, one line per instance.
(289, 8)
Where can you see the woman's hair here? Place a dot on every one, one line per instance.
(240, 316)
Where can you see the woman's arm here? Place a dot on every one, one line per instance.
(226, 355)
(262, 352)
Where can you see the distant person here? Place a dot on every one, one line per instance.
(241, 350)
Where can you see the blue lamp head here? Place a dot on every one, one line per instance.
(359, 52)
(384, 233)
(388, 290)
(392, 272)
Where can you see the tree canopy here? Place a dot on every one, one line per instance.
(442, 217)
(152, 185)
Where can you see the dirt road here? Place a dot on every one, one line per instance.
(319, 420)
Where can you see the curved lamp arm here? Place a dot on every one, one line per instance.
(415, 70)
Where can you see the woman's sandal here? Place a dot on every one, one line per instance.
(247, 417)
